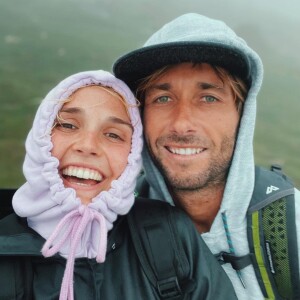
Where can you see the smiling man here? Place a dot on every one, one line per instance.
(198, 82)
(190, 120)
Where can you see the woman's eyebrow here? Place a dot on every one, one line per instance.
(113, 119)
(71, 110)
(120, 121)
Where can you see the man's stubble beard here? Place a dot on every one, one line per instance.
(214, 175)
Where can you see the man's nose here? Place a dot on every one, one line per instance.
(182, 120)
(88, 144)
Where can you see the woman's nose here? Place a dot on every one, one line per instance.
(88, 144)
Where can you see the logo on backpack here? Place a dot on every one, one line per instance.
(271, 188)
(270, 257)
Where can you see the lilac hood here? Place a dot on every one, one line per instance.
(44, 200)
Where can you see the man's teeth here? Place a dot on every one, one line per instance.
(186, 151)
(82, 173)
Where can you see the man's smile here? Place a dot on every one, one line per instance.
(184, 151)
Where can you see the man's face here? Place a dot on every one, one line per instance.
(190, 122)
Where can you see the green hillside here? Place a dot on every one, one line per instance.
(41, 42)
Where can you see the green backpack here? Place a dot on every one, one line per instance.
(272, 236)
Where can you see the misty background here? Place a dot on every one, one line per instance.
(42, 42)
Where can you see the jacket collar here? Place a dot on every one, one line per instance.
(16, 238)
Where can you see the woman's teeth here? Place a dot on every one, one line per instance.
(82, 173)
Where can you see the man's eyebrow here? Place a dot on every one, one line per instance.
(120, 121)
(207, 86)
(201, 85)
(160, 86)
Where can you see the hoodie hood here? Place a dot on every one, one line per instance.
(44, 200)
(198, 34)
(189, 38)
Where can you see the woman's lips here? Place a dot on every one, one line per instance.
(81, 175)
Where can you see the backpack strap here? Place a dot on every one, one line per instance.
(272, 235)
(142, 186)
(16, 275)
(6, 202)
(158, 247)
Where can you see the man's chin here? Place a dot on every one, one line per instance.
(185, 183)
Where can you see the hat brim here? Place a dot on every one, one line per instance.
(138, 64)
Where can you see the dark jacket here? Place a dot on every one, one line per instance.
(26, 274)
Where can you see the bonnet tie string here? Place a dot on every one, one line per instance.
(74, 225)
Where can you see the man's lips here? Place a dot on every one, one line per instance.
(185, 150)
(81, 176)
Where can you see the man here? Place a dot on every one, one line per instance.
(198, 82)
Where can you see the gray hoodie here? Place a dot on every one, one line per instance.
(191, 28)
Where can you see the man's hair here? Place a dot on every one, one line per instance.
(238, 86)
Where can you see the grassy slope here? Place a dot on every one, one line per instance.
(40, 45)
(41, 42)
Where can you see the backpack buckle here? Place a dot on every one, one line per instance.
(169, 288)
(237, 262)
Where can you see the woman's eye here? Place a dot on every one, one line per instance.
(210, 99)
(68, 126)
(65, 126)
(162, 99)
(113, 136)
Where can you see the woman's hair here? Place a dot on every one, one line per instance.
(238, 86)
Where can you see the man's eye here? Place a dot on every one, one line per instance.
(162, 99)
(210, 99)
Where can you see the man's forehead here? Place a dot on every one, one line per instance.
(203, 75)
(181, 69)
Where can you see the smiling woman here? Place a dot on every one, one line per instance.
(91, 139)
(83, 157)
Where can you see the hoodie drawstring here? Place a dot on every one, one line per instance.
(75, 223)
(230, 244)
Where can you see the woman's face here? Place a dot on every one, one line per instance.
(92, 141)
